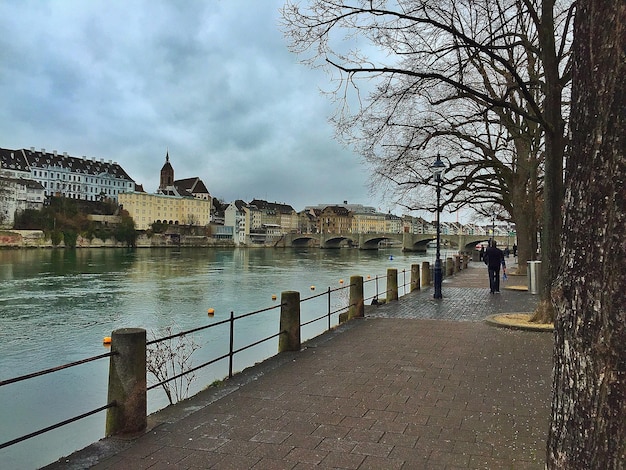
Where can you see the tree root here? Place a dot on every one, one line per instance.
(544, 313)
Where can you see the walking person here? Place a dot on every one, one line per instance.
(494, 257)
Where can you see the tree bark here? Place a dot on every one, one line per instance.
(588, 423)
(555, 148)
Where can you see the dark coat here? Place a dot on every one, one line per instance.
(494, 257)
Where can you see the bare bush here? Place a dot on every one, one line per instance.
(167, 360)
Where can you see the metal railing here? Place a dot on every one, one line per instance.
(62, 423)
(232, 351)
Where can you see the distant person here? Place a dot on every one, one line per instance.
(494, 257)
(482, 252)
(507, 252)
(514, 250)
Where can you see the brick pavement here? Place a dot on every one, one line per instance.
(408, 387)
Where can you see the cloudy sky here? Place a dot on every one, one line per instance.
(210, 80)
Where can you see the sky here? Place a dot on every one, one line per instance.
(209, 81)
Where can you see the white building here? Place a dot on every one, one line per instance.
(17, 191)
(77, 177)
(238, 216)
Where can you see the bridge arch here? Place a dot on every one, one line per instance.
(336, 241)
(371, 241)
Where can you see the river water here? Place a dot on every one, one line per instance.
(56, 306)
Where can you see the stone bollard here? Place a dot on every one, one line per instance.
(357, 302)
(425, 273)
(449, 266)
(415, 277)
(289, 339)
(392, 284)
(127, 383)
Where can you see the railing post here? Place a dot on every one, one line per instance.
(328, 310)
(127, 382)
(425, 273)
(289, 340)
(231, 344)
(392, 284)
(449, 266)
(415, 277)
(357, 301)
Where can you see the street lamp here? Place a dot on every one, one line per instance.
(493, 225)
(437, 169)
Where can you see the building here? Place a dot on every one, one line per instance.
(77, 177)
(275, 215)
(335, 219)
(368, 222)
(188, 187)
(259, 221)
(308, 220)
(237, 216)
(18, 191)
(393, 223)
(183, 202)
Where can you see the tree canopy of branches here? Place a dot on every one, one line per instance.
(588, 425)
(483, 82)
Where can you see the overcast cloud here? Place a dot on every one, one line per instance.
(210, 80)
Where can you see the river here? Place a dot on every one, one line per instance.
(56, 306)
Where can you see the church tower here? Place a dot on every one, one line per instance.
(167, 174)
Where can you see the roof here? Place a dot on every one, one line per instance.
(13, 160)
(193, 185)
(89, 166)
(339, 210)
(264, 205)
(28, 183)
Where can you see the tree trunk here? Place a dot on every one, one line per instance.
(526, 230)
(555, 148)
(588, 424)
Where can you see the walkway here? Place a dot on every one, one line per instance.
(409, 387)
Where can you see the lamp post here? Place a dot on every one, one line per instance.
(437, 169)
(493, 225)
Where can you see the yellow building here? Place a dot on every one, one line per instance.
(177, 202)
(147, 208)
(368, 222)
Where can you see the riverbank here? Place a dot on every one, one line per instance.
(15, 239)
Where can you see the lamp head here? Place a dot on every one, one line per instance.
(438, 168)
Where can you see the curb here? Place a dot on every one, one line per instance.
(497, 321)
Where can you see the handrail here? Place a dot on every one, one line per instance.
(67, 421)
(54, 369)
(57, 425)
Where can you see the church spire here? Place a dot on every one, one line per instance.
(167, 173)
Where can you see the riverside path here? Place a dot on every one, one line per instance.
(418, 384)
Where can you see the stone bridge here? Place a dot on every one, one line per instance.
(371, 241)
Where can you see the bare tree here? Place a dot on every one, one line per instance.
(588, 425)
(437, 71)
